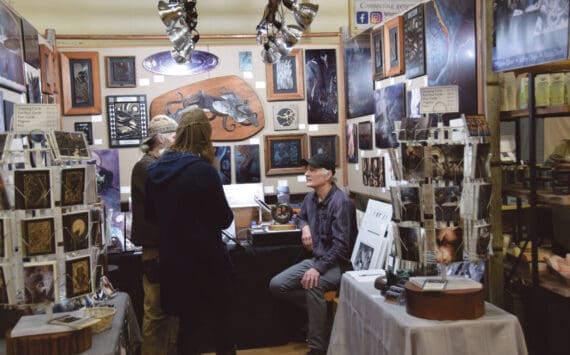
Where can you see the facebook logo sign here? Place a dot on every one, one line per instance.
(361, 17)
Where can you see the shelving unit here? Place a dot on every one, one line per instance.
(533, 195)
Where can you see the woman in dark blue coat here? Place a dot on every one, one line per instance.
(186, 200)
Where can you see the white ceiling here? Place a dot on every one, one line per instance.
(140, 17)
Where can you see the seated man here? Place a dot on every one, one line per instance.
(328, 223)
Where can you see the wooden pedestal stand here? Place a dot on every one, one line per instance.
(65, 343)
(444, 305)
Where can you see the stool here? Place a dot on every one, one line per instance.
(332, 301)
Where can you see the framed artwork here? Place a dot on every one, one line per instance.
(351, 143)
(11, 50)
(77, 277)
(365, 135)
(71, 145)
(121, 72)
(359, 89)
(75, 231)
(127, 119)
(86, 128)
(32, 189)
(321, 79)
(366, 171)
(414, 42)
(394, 46)
(31, 44)
(247, 163)
(41, 282)
(377, 48)
(285, 78)
(72, 186)
(325, 144)
(283, 154)
(286, 117)
(33, 79)
(245, 62)
(80, 83)
(163, 63)
(447, 62)
(38, 236)
(3, 288)
(2, 240)
(224, 158)
(390, 107)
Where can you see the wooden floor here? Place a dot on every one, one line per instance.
(289, 349)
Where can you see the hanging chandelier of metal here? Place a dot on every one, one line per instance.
(180, 18)
(278, 38)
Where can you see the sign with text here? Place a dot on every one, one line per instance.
(29, 117)
(439, 99)
(368, 13)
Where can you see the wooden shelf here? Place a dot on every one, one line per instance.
(541, 112)
(543, 196)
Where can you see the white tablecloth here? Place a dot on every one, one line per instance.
(367, 325)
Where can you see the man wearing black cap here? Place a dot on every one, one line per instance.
(328, 223)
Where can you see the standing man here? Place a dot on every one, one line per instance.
(159, 329)
(328, 224)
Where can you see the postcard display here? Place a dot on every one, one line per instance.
(51, 230)
(441, 201)
(441, 209)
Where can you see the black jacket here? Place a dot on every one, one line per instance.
(186, 200)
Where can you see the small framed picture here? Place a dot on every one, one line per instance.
(285, 78)
(75, 231)
(121, 72)
(70, 145)
(365, 135)
(414, 42)
(46, 69)
(394, 46)
(81, 83)
(41, 282)
(285, 117)
(325, 144)
(127, 119)
(87, 128)
(77, 277)
(32, 189)
(283, 154)
(38, 236)
(377, 46)
(72, 186)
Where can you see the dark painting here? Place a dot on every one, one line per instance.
(409, 238)
(414, 42)
(32, 189)
(247, 163)
(352, 143)
(72, 186)
(529, 33)
(451, 58)
(224, 159)
(31, 44)
(365, 135)
(38, 236)
(75, 231)
(40, 281)
(86, 128)
(128, 122)
(78, 277)
(390, 106)
(11, 50)
(321, 86)
(359, 86)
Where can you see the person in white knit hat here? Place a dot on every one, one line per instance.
(159, 330)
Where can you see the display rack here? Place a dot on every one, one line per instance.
(51, 232)
(532, 194)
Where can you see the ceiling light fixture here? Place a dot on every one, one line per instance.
(278, 38)
(180, 18)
